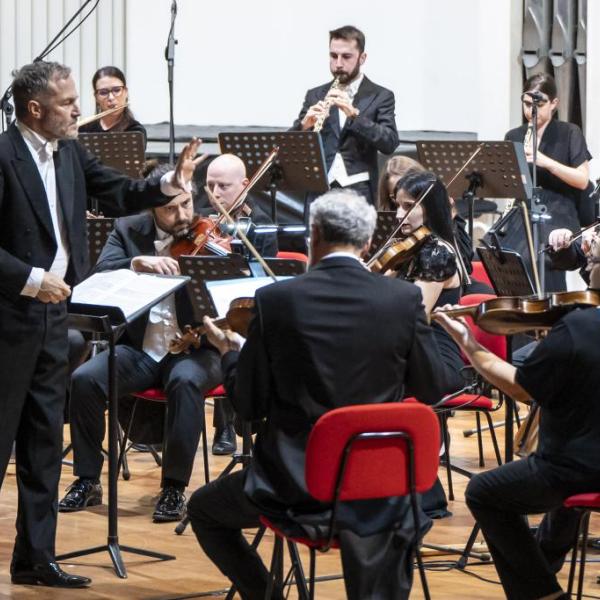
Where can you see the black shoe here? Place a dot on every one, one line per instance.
(224, 441)
(170, 505)
(49, 574)
(81, 494)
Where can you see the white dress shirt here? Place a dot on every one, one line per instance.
(337, 171)
(162, 321)
(42, 154)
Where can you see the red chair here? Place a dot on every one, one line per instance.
(586, 504)
(158, 395)
(363, 452)
(480, 403)
(480, 274)
(293, 256)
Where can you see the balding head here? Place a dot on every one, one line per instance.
(226, 178)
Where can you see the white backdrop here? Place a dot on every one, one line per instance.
(453, 65)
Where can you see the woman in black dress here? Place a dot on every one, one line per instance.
(562, 164)
(110, 91)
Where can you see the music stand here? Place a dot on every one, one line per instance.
(499, 170)
(386, 223)
(506, 271)
(110, 322)
(300, 162)
(286, 267)
(98, 230)
(123, 150)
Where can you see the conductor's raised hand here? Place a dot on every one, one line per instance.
(187, 163)
(224, 340)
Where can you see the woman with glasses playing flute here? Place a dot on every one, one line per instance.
(110, 91)
(562, 163)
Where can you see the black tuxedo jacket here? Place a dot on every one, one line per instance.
(336, 336)
(360, 139)
(26, 234)
(130, 237)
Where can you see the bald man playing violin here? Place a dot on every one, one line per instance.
(563, 378)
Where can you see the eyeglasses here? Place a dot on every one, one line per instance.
(116, 91)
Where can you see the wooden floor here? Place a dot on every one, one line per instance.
(191, 575)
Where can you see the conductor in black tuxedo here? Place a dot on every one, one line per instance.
(359, 116)
(45, 177)
(142, 243)
(326, 339)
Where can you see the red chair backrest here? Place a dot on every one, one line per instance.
(494, 343)
(293, 256)
(376, 468)
(479, 273)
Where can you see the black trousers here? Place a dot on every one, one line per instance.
(378, 567)
(33, 372)
(184, 377)
(499, 500)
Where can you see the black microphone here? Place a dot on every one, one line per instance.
(536, 96)
(174, 7)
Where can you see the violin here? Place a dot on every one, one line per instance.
(204, 237)
(399, 251)
(237, 319)
(508, 315)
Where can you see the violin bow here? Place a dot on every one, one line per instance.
(242, 235)
(385, 245)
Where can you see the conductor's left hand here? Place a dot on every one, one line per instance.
(187, 163)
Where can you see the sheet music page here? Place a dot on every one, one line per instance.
(226, 290)
(126, 289)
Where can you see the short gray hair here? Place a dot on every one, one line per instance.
(31, 82)
(343, 217)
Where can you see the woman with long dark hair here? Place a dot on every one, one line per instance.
(562, 164)
(110, 91)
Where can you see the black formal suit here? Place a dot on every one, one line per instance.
(361, 138)
(33, 344)
(185, 377)
(336, 336)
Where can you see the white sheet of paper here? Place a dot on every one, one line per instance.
(124, 288)
(223, 292)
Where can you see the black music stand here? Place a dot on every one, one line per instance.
(386, 223)
(300, 162)
(123, 150)
(506, 271)
(286, 267)
(499, 170)
(110, 322)
(98, 230)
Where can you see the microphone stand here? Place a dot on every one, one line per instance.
(6, 107)
(170, 58)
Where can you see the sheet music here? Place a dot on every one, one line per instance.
(226, 290)
(125, 289)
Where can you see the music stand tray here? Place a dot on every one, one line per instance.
(506, 271)
(300, 162)
(123, 150)
(110, 321)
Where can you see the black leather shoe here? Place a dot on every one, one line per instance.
(170, 505)
(81, 494)
(224, 441)
(49, 574)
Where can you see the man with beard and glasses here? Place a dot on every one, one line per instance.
(45, 176)
(359, 116)
(142, 243)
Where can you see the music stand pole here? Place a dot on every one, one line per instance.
(170, 58)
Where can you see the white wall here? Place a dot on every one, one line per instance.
(249, 63)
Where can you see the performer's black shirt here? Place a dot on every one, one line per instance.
(563, 376)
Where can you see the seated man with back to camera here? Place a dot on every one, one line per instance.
(141, 243)
(326, 339)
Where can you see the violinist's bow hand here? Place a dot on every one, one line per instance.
(456, 327)
(223, 340)
(187, 163)
(560, 239)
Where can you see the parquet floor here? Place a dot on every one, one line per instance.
(191, 575)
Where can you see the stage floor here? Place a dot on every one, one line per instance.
(191, 575)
